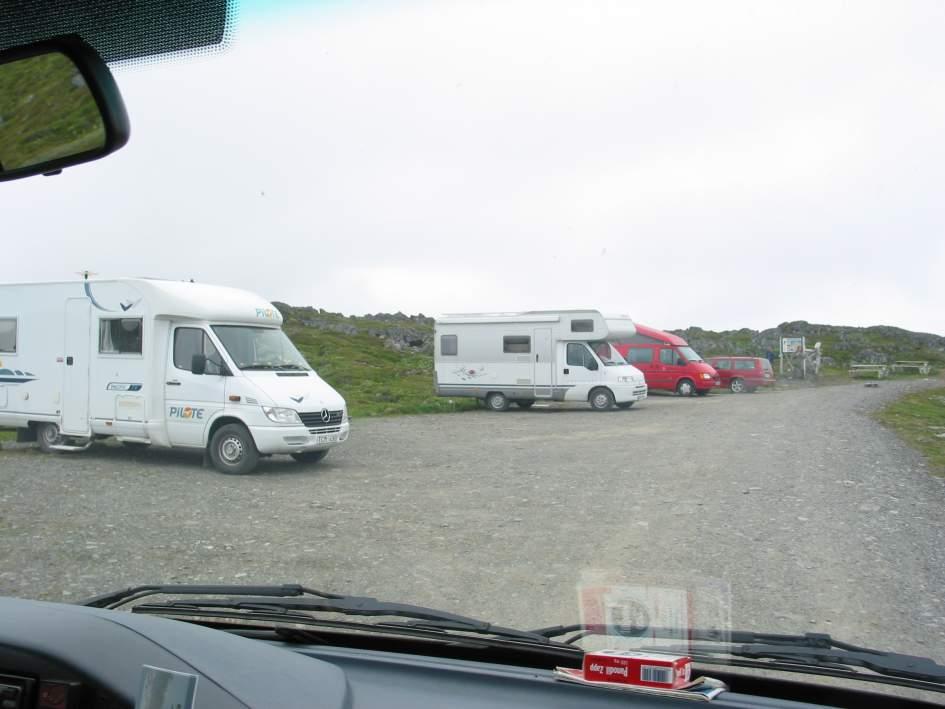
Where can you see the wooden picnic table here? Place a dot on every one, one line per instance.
(919, 366)
(880, 370)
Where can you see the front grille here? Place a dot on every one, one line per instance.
(329, 429)
(640, 390)
(314, 418)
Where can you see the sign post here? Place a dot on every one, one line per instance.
(793, 346)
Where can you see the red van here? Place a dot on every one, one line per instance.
(668, 362)
(743, 373)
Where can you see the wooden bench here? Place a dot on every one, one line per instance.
(880, 370)
(921, 367)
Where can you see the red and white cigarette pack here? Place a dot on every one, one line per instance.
(643, 669)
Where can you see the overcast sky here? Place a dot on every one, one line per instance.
(716, 164)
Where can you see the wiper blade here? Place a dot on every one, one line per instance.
(288, 598)
(814, 649)
(297, 367)
(258, 365)
(116, 599)
(344, 605)
(487, 629)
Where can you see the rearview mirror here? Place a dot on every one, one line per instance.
(198, 363)
(59, 106)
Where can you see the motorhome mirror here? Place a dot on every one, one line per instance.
(59, 106)
(198, 363)
(592, 364)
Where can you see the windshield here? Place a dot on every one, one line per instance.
(607, 354)
(444, 202)
(259, 347)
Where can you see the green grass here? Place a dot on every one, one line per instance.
(920, 420)
(7, 435)
(374, 380)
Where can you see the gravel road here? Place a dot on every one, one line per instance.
(817, 518)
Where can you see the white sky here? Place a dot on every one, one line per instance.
(716, 164)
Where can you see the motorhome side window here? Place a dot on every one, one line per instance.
(668, 356)
(582, 326)
(517, 344)
(449, 345)
(640, 355)
(189, 341)
(120, 336)
(8, 335)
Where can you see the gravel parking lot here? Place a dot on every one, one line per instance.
(817, 517)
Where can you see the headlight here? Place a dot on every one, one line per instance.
(706, 375)
(344, 413)
(274, 413)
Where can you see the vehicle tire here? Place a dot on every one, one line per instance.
(737, 386)
(685, 387)
(47, 435)
(625, 404)
(601, 399)
(232, 450)
(524, 404)
(309, 456)
(497, 401)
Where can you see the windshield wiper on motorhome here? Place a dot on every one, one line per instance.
(292, 601)
(800, 651)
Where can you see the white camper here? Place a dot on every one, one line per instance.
(562, 355)
(162, 363)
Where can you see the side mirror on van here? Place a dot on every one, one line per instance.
(591, 364)
(198, 363)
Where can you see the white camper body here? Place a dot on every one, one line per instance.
(88, 359)
(525, 357)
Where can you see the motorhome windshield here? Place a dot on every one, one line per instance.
(607, 354)
(259, 347)
(690, 354)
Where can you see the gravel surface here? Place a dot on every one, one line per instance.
(816, 518)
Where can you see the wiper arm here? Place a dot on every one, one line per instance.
(816, 649)
(344, 605)
(116, 599)
(258, 365)
(487, 629)
(294, 597)
(296, 367)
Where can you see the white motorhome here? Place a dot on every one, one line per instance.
(162, 363)
(562, 355)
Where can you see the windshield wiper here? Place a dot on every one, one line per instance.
(807, 650)
(293, 601)
(258, 365)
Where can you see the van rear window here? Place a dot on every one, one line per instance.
(8, 335)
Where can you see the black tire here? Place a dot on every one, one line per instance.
(233, 451)
(310, 457)
(47, 435)
(685, 387)
(737, 385)
(625, 404)
(601, 399)
(497, 401)
(524, 404)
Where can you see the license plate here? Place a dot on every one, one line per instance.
(326, 438)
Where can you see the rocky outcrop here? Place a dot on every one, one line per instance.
(875, 345)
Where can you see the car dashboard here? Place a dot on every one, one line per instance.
(55, 656)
